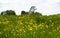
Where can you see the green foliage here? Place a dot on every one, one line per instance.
(24, 13)
(8, 12)
(30, 26)
(37, 13)
(32, 10)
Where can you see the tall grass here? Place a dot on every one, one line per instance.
(28, 27)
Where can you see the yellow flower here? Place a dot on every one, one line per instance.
(30, 28)
(24, 31)
(21, 23)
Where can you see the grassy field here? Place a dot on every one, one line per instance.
(29, 26)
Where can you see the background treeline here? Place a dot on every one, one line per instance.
(30, 12)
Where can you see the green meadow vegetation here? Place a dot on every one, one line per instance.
(28, 25)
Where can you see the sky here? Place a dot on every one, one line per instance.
(46, 7)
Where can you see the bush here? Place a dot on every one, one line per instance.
(8, 12)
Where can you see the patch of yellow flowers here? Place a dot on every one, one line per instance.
(31, 25)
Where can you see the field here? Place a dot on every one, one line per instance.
(29, 26)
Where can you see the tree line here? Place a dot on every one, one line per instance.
(31, 11)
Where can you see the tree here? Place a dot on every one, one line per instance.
(37, 13)
(8, 12)
(3, 13)
(24, 13)
(32, 10)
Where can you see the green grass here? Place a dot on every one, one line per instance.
(28, 27)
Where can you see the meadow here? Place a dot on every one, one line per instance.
(29, 26)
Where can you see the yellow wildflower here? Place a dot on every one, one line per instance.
(21, 23)
(30, 28)
(24, 31)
